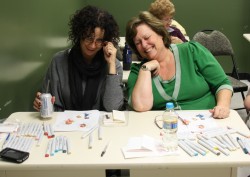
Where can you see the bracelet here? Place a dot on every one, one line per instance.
(145, 68)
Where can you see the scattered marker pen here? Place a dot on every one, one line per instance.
(47, 153)
(6, 139)
(68, 146)
(208, 147)
(90, 140)
(242, 145)
(85, 134)
(105, 149)
(100, 133)
(186, 149)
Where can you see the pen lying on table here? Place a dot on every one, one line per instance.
(6, 140)
(105, 148)
(85, 134)
(90, 140)
(184, 121)
(242, 145)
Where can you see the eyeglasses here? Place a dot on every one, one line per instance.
(167, 20)
(90, 40)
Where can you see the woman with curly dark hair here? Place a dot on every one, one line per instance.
(87, 76)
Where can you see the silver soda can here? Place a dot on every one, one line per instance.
(47, 106)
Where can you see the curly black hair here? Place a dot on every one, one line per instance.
(85, 20)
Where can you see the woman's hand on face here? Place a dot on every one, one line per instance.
(109, 52)
(220, 112)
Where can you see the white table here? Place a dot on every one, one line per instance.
(125, 76)
(88, 162)
(247, 37)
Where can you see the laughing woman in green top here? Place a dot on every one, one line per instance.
(186, 74)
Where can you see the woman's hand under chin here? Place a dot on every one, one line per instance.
(154, 67)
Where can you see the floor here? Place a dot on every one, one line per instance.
(236, 101)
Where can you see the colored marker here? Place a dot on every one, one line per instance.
(232, 140)
(64, 145)
(60, 143)
(247, 144)
(51, 130)
(47, 153)
(239, 132)
(6, 140)
(10, 141)
(208, 141)
(184, 121)
(85, 134)
(186, 149)
(100, 133)
(57, 144)
(45, 128)
(208, 147)
(68, 146)
(195, 147)
(90, 140)
(40, 137)
(53, 147)
(20, 144)
(105, 149)
(228, 143)
(242, 145)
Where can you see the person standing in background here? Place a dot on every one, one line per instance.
(247, 106)
(247, 101)
(165, 10)
(88, 76)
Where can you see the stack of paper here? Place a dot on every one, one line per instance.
(8, 127)
(114, 118)
(77, 120)
(145, 146)
(198, 121)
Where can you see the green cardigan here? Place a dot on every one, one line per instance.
(197, 80)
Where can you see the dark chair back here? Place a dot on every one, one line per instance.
(215, 41)
(219, 45)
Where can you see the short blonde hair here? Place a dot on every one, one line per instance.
(162, 8)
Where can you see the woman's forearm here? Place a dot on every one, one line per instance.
(224, 98)
(142, 96)
(247, 102)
